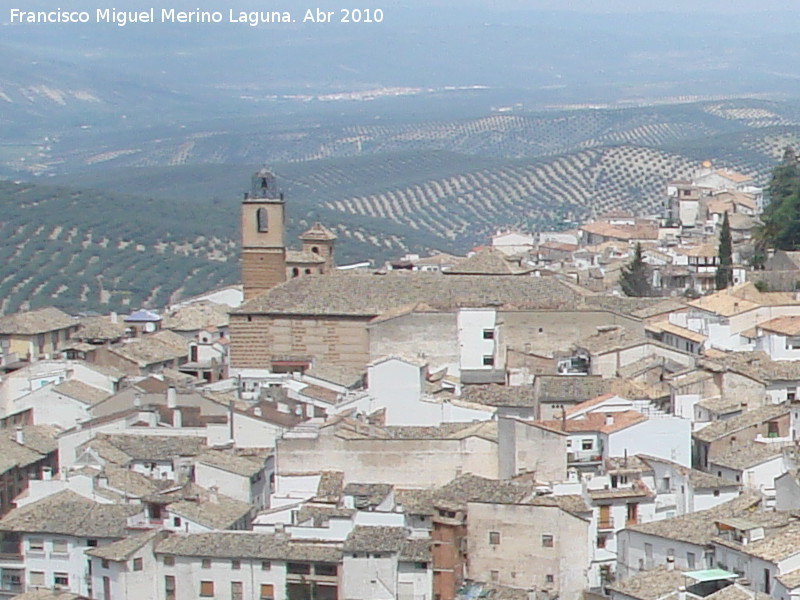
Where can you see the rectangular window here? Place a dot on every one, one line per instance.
(298, 568)
(169, 560)
(326, 570)
(547, 541)
(36, 578)
(690, 560)
(104, 563)
(169, 587)
(587, 445)
(237, 592)
(61, 580)
(488, 361)
(207, 589)
(236, 565)
(60, 546)
(488, 334)
(495, 576)
(36, 545)
(267, 591)
(206, 564)
(138, 564)
(494, 537)
(549, 578)
(266, 565)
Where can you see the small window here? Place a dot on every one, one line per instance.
(236, 565)
(36, 545)
(36, 578)
(267, 591)
(266, 565)
(587, 444)
(237, 590)
(326, 570)
(61, 580)
(495, 575)
(263, 220)
(206, 564)
(207, 589)
(104, 563)
(494, 537)
(549, 578)
(488, 361)
(176, 521)
(488, 334)
(421, 566)
(169, 560)
(138, 564)
(601, 541)
(547, 541)
(60, 546)
(91, 543)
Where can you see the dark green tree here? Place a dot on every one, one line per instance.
(781, 217)
(635, 276)
(724, 275)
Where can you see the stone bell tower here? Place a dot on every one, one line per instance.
(263, 231)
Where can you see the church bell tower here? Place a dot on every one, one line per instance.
(263, 231)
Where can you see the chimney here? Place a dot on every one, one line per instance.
(137, 400)
(609, 419)
(682, 592)
(172, 397)
(177, 418)
(670, 563)
(20, 435)
(114, 318)
(213, 494)
(47, 474)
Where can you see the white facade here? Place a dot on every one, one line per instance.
(663, 437)
(397, 386)
(477, 339)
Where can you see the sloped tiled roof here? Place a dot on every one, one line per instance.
(80, 391)
(197, 316)
(488, 261)
(68, 513)
(228, 461)
(99, 328)
(375, 539)
(650, 585)
(123, 549)
(370, 295)
(37, 321)
(247, 544)
(318, 232)
(757, 416)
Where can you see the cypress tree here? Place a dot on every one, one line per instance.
(724, 275)
(635, 276)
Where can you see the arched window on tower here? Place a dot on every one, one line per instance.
(295, 272)
(261, 217)
(315, 250)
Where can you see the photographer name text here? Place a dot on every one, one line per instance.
(123, 18)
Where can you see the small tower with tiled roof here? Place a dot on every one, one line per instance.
(319, 241)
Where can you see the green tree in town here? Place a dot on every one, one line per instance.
(781, 217)
(635, 276)
(724, 275)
